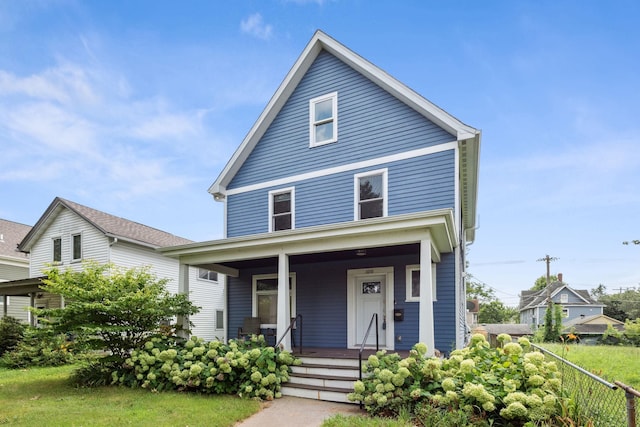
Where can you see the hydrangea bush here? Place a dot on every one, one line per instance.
(248, 368)
(510, 385)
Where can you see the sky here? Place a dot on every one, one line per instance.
(134, 108)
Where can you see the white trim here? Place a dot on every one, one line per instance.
(426, 333)
(333, 96)
(352, 301)
(409, 297)
(345, 168)
(356, 191)
(254, 300)
(272, 193)
(8, 297)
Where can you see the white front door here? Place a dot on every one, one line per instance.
(370, 293)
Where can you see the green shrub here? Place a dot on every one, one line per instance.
(11, 333)
(510, 384)
(632, 332)
(248, 368)
(40, 347)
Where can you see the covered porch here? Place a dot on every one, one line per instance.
(335, 277)
(22, 288)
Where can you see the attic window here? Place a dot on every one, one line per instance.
(564, 298)
(57, 249)
(323, 119)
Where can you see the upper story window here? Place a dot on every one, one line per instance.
(564, 298)
(57, 249)
(281, 209)
(323, 119)
(370, 194)
(76, 249)
(205, 274)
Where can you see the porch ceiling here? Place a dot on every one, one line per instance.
(381, 235)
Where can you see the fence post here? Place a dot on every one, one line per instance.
(631, 394)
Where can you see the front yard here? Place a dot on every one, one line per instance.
(43, 396)
(613, 363)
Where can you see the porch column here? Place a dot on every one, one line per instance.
(284, 309)
(182, 322)
(426, 332)
(5, 301)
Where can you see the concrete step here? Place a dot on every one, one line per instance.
(333, 381)
(330, 394)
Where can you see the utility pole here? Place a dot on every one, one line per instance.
(548, 260)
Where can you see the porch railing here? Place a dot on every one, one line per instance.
(364, 341)
(298, 327)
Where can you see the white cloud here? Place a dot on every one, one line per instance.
(255, 26)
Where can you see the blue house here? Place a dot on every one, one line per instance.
(351, 195)
(576, 304)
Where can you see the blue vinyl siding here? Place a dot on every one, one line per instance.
(321, 298)
(419, 184)
(371, 124)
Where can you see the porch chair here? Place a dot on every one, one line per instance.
(250, 326)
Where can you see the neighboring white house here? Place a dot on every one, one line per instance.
(14, 265)
(69, 233)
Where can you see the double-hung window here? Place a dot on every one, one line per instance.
(370, 189)
(323, 119)
(76, 249)
(265, 298)
(413, 282)
(281, 209)
(57, 250)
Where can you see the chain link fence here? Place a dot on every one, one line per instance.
(595, 399)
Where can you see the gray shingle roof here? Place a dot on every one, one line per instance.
(110, 225)
(529, 299)
(12, 233)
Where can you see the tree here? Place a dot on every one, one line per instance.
(112, 309)
(599, 291)
(496, 312)
(622, 306)
(541, 282)
(480, 291)
(633, 242)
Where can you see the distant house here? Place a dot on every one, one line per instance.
(591, 327)
(69, 233)
(14, 265)
(575, 303)
(352, 196)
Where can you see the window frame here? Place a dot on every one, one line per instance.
(55, 261)
(219, 315)
(564, 298)
(254, 296)
(73, 247)
(356, 192)
(333, 96)
(200, 277)
(409, 297)
(272, 194)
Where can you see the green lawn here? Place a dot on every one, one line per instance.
(43, 396)
(613, 363)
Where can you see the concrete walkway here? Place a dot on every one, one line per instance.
(297, 411)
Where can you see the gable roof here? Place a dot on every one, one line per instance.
(468, 137)
(109, 225)
(11, 234)
(531, 299)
